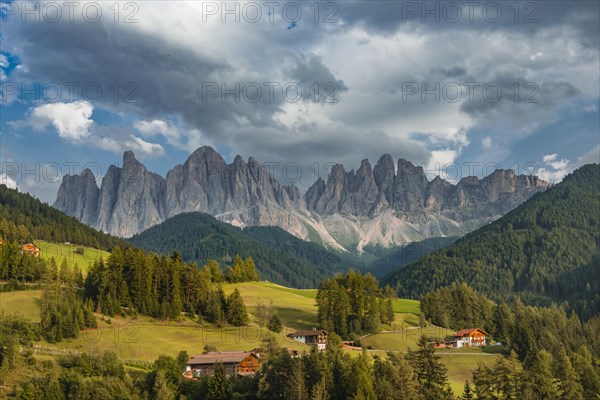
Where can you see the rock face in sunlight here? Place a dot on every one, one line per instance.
(385, 204)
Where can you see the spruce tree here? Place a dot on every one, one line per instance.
(468, 393)
(569, 386)
(296, 386)
(275, 324)
(218, 384)
(236, 309)
(430, 372)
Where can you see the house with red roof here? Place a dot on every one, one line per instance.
(472, 337)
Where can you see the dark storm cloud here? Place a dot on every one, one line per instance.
(313, 75)
(521, 16)
(175, 69)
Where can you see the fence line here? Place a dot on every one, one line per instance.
(55, 351)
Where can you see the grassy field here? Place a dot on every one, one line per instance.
(146, 339)
(295, 307)
(67, 251)
(402, 341)
(404, 320)
(23, 302)
(407, 306)
(461, 366)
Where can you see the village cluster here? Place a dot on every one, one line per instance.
(247, 363)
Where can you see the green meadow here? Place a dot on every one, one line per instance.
(71, 254)
(23, 302)
(145, 339)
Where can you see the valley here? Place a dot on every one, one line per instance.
(194, 284)
(139, 341)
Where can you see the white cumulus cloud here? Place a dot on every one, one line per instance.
(138, 145)
(72, 121)
(8, 181)
(184, 139)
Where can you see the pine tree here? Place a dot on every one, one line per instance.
(588, 376)
(540, 381)
(236, 309)
(319, 391)
(431, 373)
(218, 384)
(570, 387)
(508, 377)
(484, 379)
(468, 393)
(296, 387)
(162, 389)
(275, 324)
(362, 379)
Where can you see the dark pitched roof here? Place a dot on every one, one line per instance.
(220, 357)
(310, 332)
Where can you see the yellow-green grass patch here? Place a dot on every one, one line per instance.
(295, 307)
(69, 252)
(402, 341)
(462, 365)
(146, 339)
(407, 306)
(25, 303)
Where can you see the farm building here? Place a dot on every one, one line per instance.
(316, 337)
(235, 363)
(470, 337)
(31, 249)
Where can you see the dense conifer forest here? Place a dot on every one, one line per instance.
(280, 257)
(546, 250)
(24, 218)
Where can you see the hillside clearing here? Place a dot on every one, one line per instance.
(25, 303)
(145, 339)
(68, 251)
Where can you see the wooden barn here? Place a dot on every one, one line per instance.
(235, 363)
(317, 337)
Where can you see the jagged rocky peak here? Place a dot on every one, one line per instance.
(384, 173)
(409, 207)
(406, 188)
(384, 170)
(131, 198)
(129, 158)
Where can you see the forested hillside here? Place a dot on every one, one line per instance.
(552, 354)
(546, 250)
(24, 218)
(279, 256)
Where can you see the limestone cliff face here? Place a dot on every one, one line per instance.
(132, 199)
(387, 204)
(78, 196)
(368, 193)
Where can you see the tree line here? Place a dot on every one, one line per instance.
(280, 256)
(134, 282)
(352, 304)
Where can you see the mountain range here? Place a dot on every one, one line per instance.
(383, 205)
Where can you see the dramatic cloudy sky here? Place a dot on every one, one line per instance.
(509, 84)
